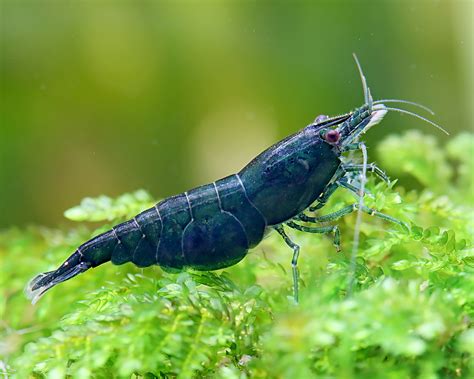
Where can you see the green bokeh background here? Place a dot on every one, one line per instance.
(103, 97)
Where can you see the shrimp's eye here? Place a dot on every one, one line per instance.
(332, 136)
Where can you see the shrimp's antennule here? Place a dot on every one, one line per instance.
(367, 96)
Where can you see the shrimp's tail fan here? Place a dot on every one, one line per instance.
(73, 266)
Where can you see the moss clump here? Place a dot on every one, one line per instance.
(410, 314)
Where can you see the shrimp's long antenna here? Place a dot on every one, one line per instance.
(418, 116)
(367, 96)
(405, 102)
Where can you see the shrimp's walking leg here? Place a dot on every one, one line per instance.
(371, 167)
(347, 210)
(320, 230)
(294, 260)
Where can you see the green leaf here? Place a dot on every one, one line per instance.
(403, 264)
(104, 208)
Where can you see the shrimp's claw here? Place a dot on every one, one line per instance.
(43, 282)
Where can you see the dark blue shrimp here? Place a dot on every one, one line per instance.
(213, 226)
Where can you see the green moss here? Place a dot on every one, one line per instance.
(410, 314)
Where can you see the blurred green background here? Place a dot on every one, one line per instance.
(106, 97)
